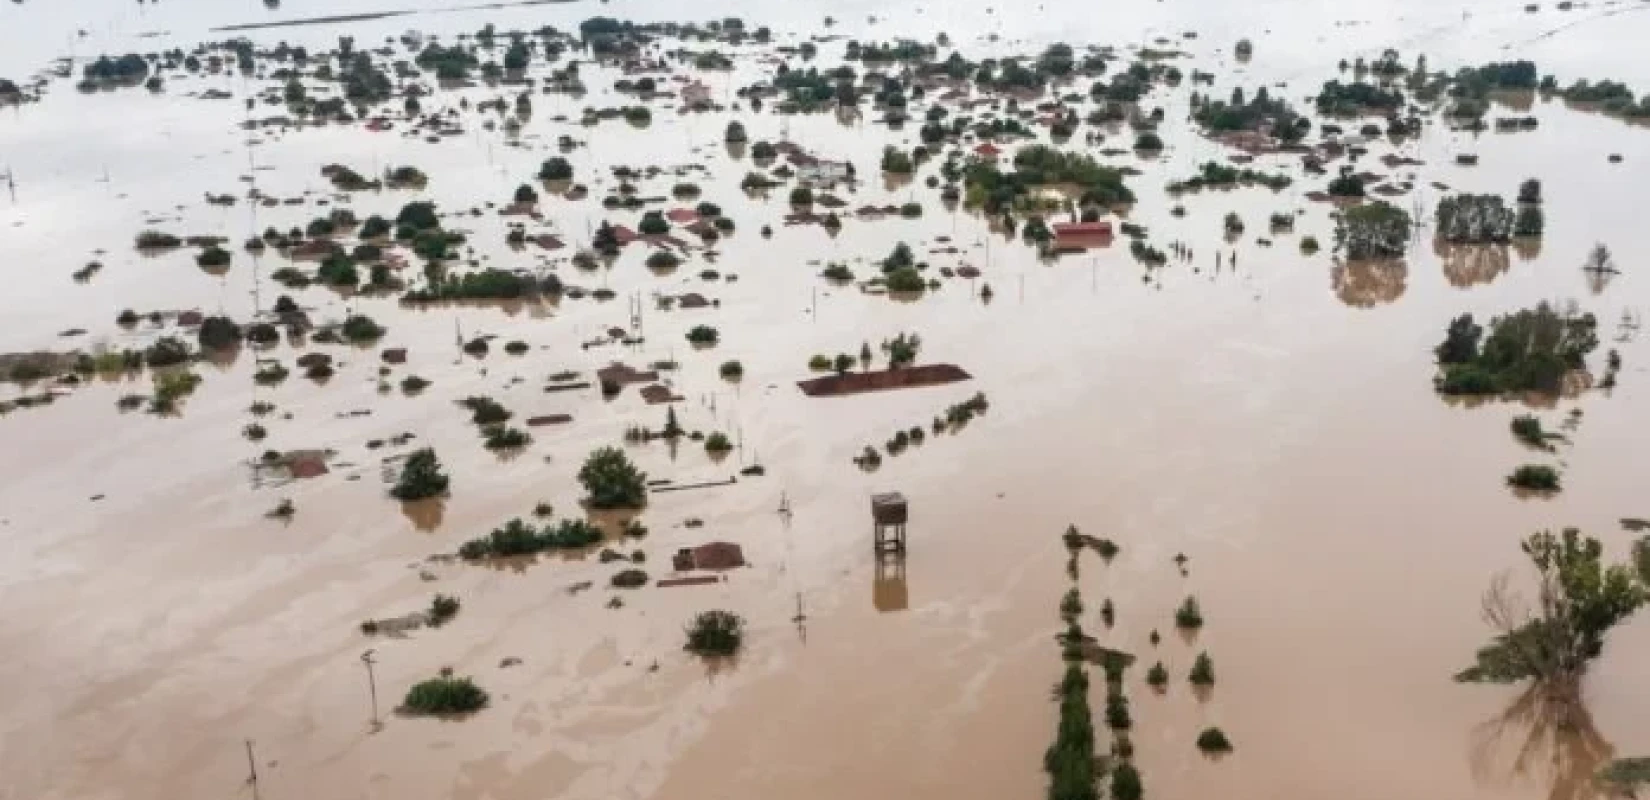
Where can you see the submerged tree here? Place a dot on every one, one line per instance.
(612, 481)
(1476, 219)
(1373, 230)
(421, 477)
(1578, 600)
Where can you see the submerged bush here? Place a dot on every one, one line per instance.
(444, 695)
(1534, 477)
(1157, 677)
(1189, 616)
(715, 633)
(442, 610)
(1203, 671)
(1213, 740)
(612, 481)
(421, 477)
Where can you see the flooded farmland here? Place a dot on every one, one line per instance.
(188, 563)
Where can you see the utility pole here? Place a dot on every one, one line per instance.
(372, 687)
(251, 770)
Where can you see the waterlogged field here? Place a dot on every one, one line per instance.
(211, 502)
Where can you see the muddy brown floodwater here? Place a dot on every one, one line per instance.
(1273, 421)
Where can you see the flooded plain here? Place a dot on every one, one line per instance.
(1273, 420)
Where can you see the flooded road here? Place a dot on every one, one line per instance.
(1273, 421)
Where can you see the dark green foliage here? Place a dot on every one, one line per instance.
(653, 223)
(1069, 761)
(703, 334)
(896, 161)
(1529, 191)
(270, 374)
(1474, 219)
(421, 477)
(1626, 776)
(219, 333)
(1530, 221)
(517, 57)
(156, 240)
(500, 437)
(418, 215)
(1460, 345)
(715, 633)
(1372, 230)
(362, 328)
(1189, 616)
(485, 410)
(902, 350)
(1038, 165)
(1534, 477)
(338, 270)
(905, 279)
(1213, 740)
(731, 370)
(413, 383)
(1125, 782)
(556, 168)
(517, 538)
(1148, 141)
(486, 284)
(1529, 350)
(1527, 429)
(900, 50)
(1117, 710)
(444, 695)
(612, 481)
(1347, 184)
(1256, 113)
(442, 610)
(1071, 606)
(449, 63)
(1580, 600)
(718, 442)
(1157, 677)
(1213, 174)
(166, 351)
(213, 256)
(1476, 81)
(1349, 99)
(1203, 671)
(628, 579)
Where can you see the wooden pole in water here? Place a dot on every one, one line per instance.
(251, 769)
(372, 685)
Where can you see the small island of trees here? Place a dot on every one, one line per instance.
(1528, 350)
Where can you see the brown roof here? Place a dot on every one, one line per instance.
(712, 555)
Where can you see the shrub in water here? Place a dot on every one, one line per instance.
(442, 609)
(612, 481)
(1189, 616)
(1157, 677)
(1203, 671)
(421, 477)
(715, 633)
(1213, 740)
(444, 695)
